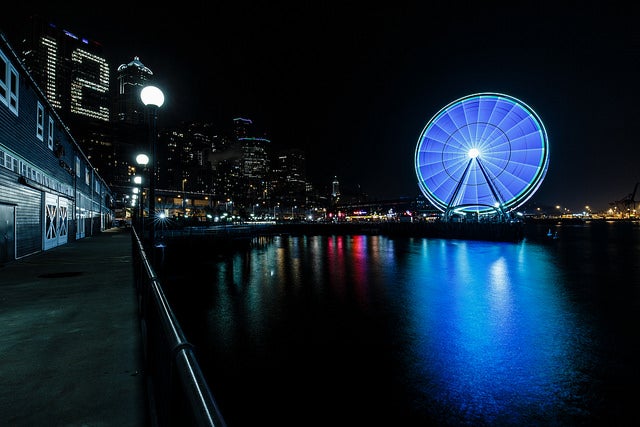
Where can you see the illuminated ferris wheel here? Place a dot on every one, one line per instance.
(485, 153)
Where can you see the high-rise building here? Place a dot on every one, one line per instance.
(130, 121)
(289, 178)
(131, 77)
(184, 160)
(242, 128)
(254, 169)
(71, 70)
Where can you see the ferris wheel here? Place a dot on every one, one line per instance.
(485, 153)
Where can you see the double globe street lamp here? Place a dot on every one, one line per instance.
(152, 98)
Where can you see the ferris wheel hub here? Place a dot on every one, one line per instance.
(473, 153)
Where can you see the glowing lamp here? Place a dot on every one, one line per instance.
(151, 95)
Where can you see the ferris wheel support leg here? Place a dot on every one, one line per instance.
(454, 196)
(494, 191)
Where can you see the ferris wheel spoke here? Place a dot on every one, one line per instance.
(471, 121)
(521, 134)
(525, 159)
(439, 134)
(486, 107)
(513, 183)
(457, 117)
(498, 146)
(530, 140)
(489, 118)
(446, 124)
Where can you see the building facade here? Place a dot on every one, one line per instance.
(50, 193)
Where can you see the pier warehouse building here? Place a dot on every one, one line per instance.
(50, 193)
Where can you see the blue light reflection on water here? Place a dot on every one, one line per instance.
(356, 329)
(491, 334)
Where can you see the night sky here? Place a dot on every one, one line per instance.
(354, 86)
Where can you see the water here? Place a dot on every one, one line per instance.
(371, 330)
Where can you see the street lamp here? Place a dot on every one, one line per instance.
(152, 98)
(141, 159)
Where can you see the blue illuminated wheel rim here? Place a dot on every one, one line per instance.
(482, 153)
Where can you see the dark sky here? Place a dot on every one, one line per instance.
(355, 85)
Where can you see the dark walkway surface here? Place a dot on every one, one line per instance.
(70, 340)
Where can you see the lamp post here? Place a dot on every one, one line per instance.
(142, 160)
(152, 98)
(184, 200)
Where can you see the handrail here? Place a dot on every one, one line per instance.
(169, 356)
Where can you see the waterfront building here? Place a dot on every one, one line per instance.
(50, 192)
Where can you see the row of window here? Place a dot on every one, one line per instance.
(40, 127)
(29, 171)
(9, 87)
(8, 84)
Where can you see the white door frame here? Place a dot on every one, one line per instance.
(55, 221)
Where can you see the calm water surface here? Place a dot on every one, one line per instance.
(372, 330)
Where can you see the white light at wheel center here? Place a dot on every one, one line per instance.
(473, 153)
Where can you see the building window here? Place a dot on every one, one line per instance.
(87, 176)
(40, 122)
(77, 166)
(8, 84)
(50, 134)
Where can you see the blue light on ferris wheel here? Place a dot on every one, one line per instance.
(481, 151)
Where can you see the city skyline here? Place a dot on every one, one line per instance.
(355, 87)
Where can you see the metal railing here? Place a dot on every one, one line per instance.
(178, 392)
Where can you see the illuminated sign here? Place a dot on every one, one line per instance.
(77, 76)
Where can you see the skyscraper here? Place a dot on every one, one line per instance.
(289, 177)
(131, 77)
(242, 127)
(254, 169)
(71, 70)
(335, 188)
(129, 120)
